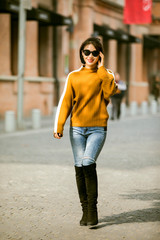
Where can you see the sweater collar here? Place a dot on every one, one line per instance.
(88, 69)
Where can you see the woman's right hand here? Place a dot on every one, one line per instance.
(57, 135)
(101, 62)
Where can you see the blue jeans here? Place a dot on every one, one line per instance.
(87, 143)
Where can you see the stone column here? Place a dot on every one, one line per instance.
(5, 45)
(112, 51)
(138, 83)
(31, 61)
(83, 16)
(62, 46)
(121, 68)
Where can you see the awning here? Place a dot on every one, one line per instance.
(104, 31)
(118, 35)
(48, 17)
(7, 6)
(127, 38)
(151, 41)
(35, 14)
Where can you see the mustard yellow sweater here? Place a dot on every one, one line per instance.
(86, 95)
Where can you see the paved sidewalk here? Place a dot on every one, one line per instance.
(38, 195)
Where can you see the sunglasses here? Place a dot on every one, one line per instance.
(87, 52)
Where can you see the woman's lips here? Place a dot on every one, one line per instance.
(90, 60)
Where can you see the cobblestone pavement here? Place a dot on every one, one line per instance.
(38, 195)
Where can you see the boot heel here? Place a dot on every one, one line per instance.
(92, 219)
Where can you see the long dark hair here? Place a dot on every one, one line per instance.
(95, 42)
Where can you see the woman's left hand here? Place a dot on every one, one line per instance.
(101, 62)
(57, 135)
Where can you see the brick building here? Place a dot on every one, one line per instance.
(54, 33)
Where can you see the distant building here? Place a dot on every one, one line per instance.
(54, 33)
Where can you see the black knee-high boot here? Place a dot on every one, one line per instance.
(81, 185)
(92, 193)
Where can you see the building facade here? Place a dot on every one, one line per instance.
(54, 33)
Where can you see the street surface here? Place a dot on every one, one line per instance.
(38, 194)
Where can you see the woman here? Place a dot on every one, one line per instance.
(86, 95)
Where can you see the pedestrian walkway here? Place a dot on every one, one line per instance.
(38, 195)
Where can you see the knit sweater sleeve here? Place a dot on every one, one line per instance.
(64, 107)
(109, 86)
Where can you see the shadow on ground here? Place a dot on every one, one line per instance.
(137, 216)
(148, 195)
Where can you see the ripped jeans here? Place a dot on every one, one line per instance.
(87, 143)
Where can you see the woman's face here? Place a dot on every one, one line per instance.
(91, 59)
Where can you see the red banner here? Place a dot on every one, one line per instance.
(137, 11)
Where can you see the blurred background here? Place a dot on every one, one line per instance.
(39, 46)
(53, 33)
